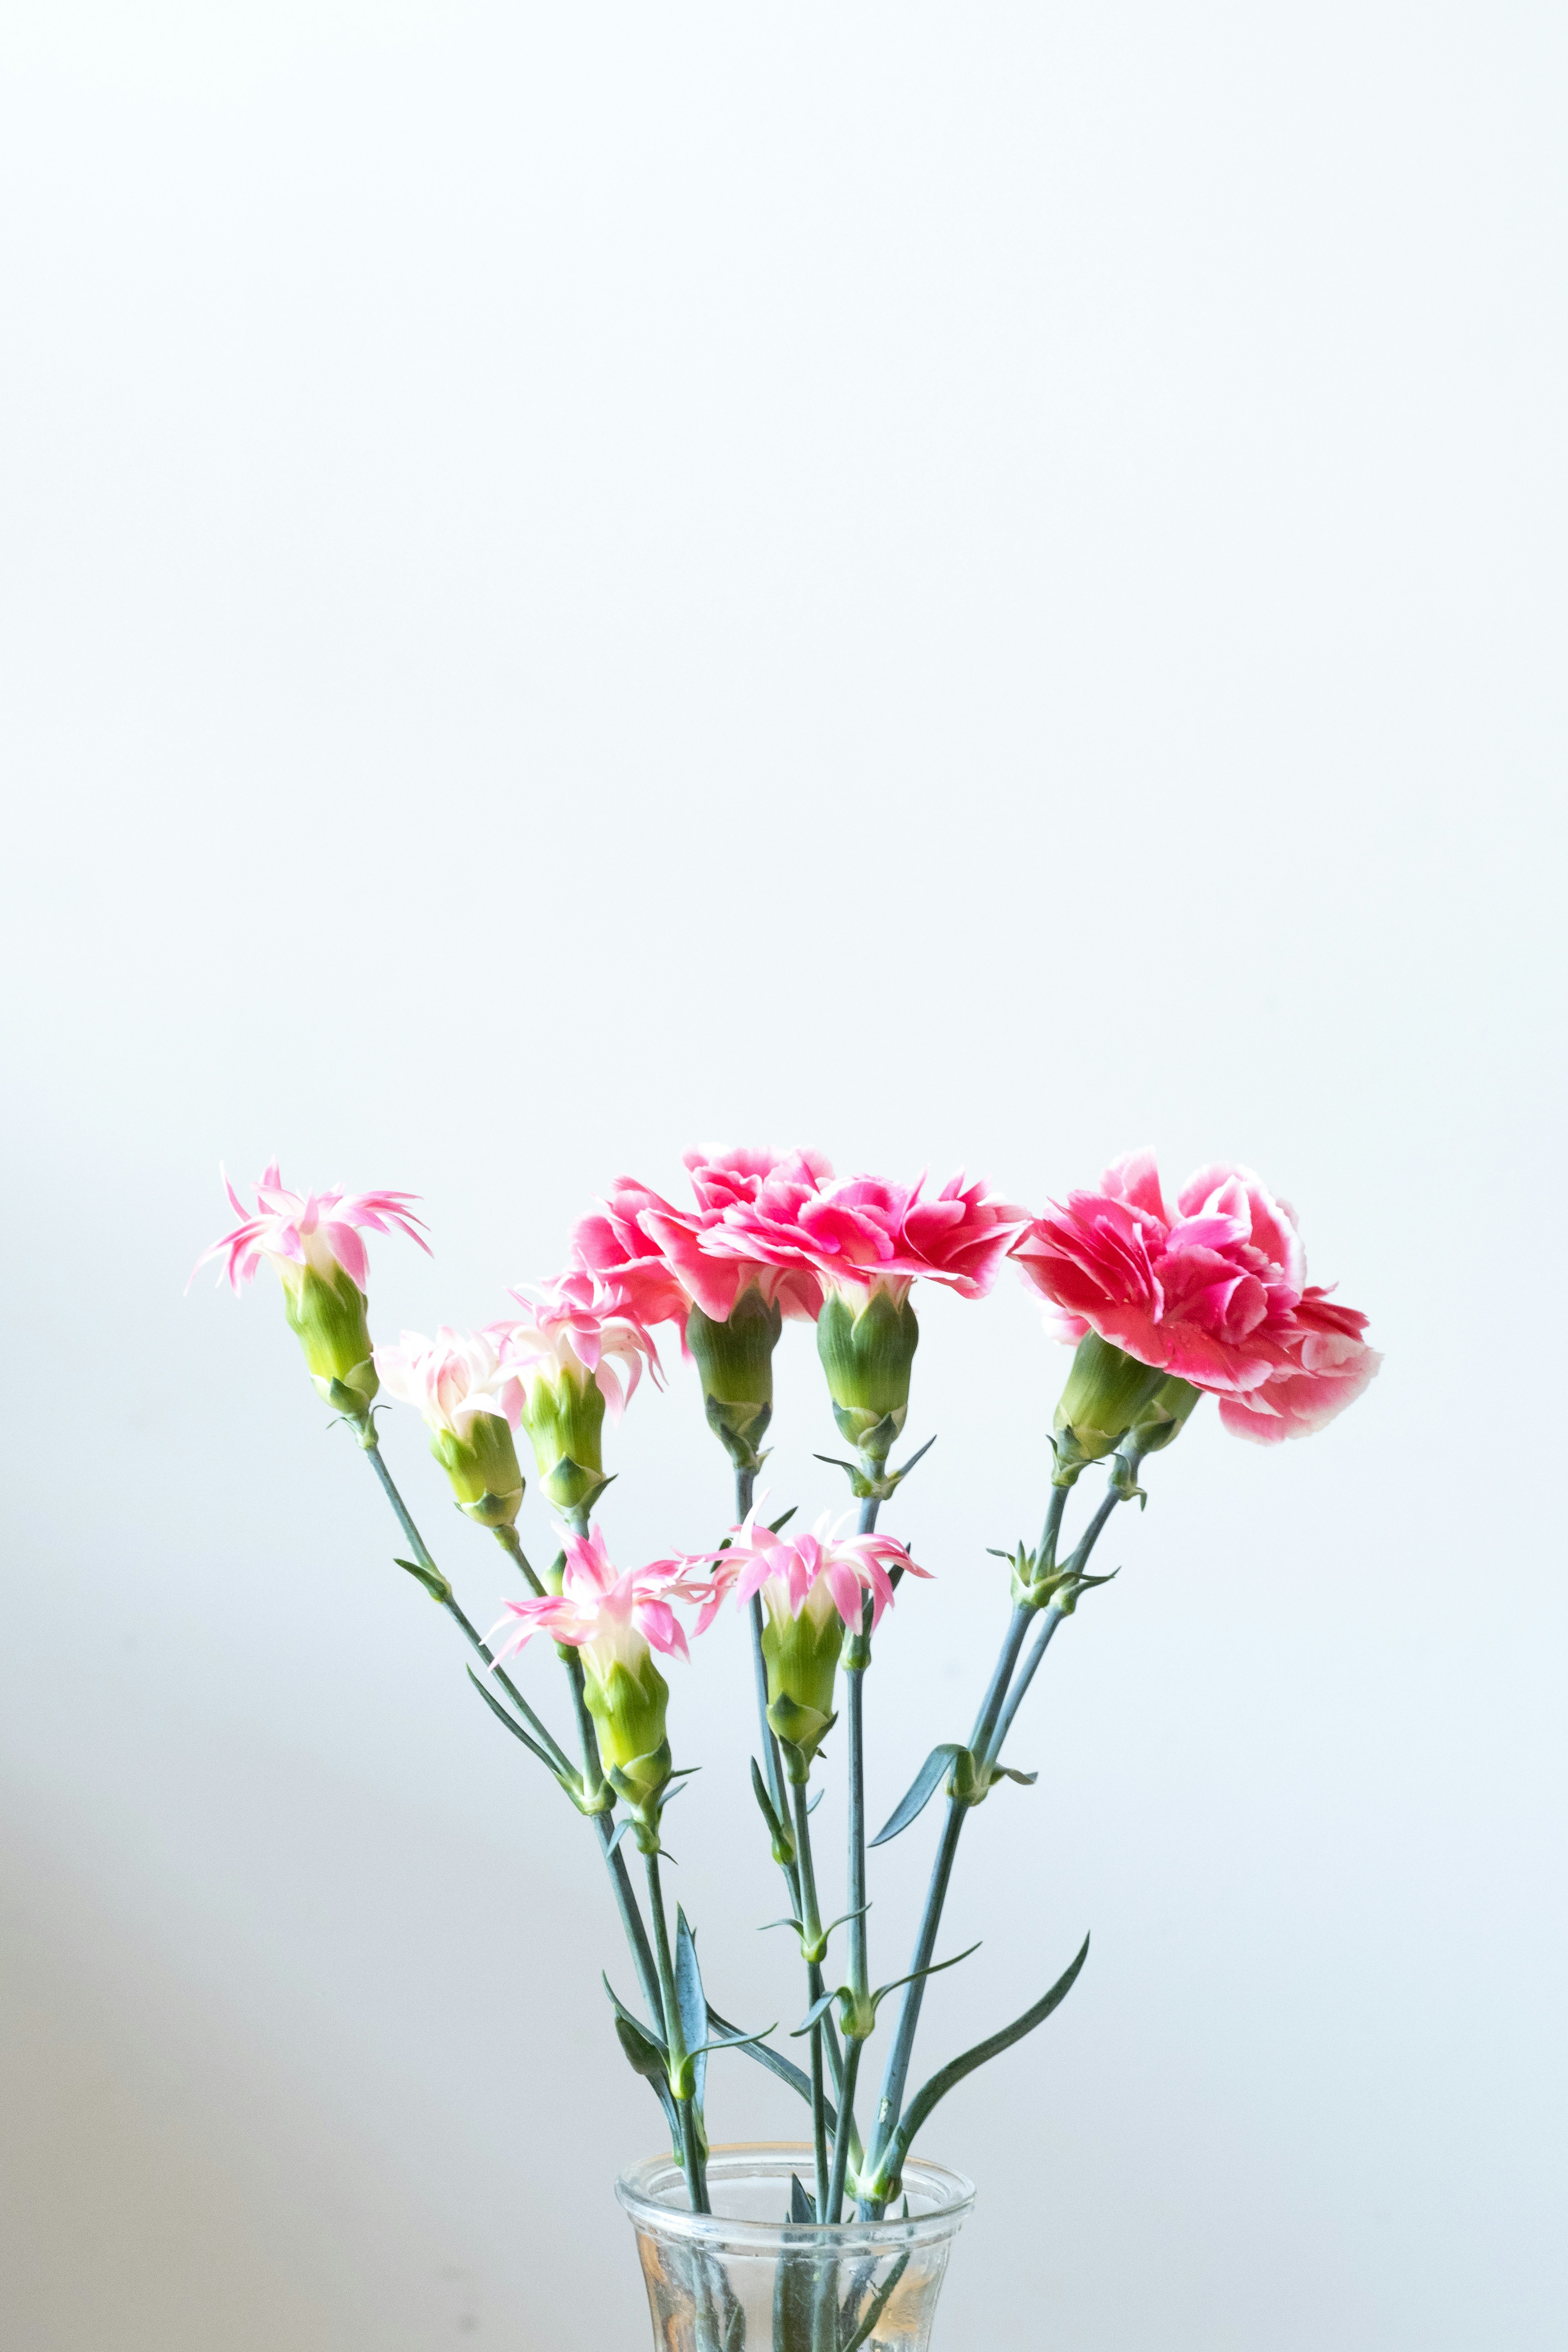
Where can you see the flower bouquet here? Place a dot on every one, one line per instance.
(841, 2243)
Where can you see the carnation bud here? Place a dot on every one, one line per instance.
(483, 1468)
(628, 1704)
(1164, 1417)
(801, 1654)
(564, 1419)
(327, 1310)
(1106, 1391)
(735, 1359)
(867, 1349)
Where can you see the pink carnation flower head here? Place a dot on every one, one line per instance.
(615, 1618)
(864, 1236)
(1214, 1292)
(670, 1259)
(566, 1358)
(470, 1408)
(870, 1242)
(813, 1588)
(293, 1231)
(312, 1239)
(728, 1270)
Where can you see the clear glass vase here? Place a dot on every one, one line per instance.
(745, 2278)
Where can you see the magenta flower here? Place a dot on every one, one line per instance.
(1216, 1293)
(814, 1573)
(314, 1230)
(862, 1235)
(738, 1236)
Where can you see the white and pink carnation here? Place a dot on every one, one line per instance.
(317, 1231)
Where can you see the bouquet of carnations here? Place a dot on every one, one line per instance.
(1163, 1306)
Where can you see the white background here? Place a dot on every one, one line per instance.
(959, 583)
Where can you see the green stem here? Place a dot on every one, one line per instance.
(835, 2211)
(674, 2041)
(620, 1882)
(507, 1539)
(811, 1926)
(1050, 1618)
(896, 2073)
(416, 1543)
(986, 1742)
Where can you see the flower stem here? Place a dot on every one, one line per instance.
(991, 1728)
(620, 1881)
(835, 2210)
(448, 1603)
(675, 2043)
(1050, 1618)
(812, 1925)
(507, 1539)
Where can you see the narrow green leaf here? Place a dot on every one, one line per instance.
(435, 1584)
(516, 1730)
(631, 2018)
(815, 2011)
(927, 1781)
(802, 2205)
(935, 1970)
(645, 2057)
(733, 2040)
(1005, 1772)
(943, 2080)
(783, 1518)
(776, 2063)
(878, 2304)
(690, 2000)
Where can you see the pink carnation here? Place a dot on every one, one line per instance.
(616, 1615)
(318, 1230)
(790, 1568)
(669, 1259)
(577, 1323)
(1216, 1294)
(862, 1234)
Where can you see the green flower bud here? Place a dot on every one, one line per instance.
(327, 1311)
(1106, 1391)
(735, 1359)
(867, 1349)
(627, 1704)
(483, 1468)
(564, 1419)
(1165, 1416)
(801, 1654)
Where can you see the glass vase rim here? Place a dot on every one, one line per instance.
(637, 2190)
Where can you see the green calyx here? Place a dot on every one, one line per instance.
(487, 1483)
(1165, 1416)
(867, 1352)
(801, 1654)
(564, 1419)
(735, 1361)
(628, 1704)
(1106, 1391)
(327, 1314)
